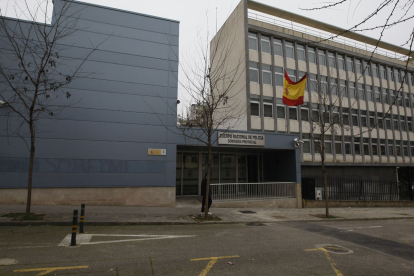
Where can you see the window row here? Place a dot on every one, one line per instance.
(336, 86)
(329, 59)
(385, 147)
(347, 116)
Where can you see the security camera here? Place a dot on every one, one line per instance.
(297, 142)
(2, 104)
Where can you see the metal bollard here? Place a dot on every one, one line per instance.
(82, 218)
(74, 227)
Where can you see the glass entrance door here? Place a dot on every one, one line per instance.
(190, 174)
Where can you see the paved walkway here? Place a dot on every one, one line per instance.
(181, 214)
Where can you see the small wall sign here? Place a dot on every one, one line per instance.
(157, 152)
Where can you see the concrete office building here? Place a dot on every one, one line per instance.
(113, 145)
(361, 88)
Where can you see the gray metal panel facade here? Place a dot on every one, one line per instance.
(119, 109)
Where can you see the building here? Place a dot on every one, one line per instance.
(374, 136)
(118, 142)
(97, 150)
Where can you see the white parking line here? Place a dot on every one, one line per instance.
(361, 227)
(86, 238)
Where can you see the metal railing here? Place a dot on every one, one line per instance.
(361, 189)
(324, 35)
(252, 191)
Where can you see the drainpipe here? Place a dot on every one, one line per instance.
(398, 190)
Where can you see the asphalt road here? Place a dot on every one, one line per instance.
(326, 248)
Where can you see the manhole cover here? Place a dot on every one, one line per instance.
(247, 212)
(335, 249)
(255, 224)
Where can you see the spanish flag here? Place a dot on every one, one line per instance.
(293, 92)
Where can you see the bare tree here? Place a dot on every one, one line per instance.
(212, 84)
(34, 70)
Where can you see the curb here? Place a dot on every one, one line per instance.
(117, 223)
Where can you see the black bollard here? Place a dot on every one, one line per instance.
(74, 227)
(82, 218)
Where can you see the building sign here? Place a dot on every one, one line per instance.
(157, 152)
(241, 139)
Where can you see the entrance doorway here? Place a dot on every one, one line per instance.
(253, 175)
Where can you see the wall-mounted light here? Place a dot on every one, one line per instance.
(178, 101)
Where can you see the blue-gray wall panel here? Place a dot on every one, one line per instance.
(117, 111)
(82, 149)
(96, 14)
(83, 180)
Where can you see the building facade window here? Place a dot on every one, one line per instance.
(331, 60)
(267, 74)
(301, 52)
(313, 83)
(277, 47)
(358, 66)
(254, 108)
(375, 72)
(254, 71)
(279, 76)
(377, 94)
(385, 97)
(354, 113)
(364, 118)
(268, 109)
(367, 68)
(345, 116)
(290, 50)
(372, 119)
(383, 72)
(304, 112)
(350, 64)
(265, 44)
(348, 148)
(409, 124)
(357, 146)
(361, 94)
(338, 144)
(252, 41)
(405, 148)
(293, 113)
(370, 96)
(333, 86)
(342, 89)
(280, 109)
(390, 74)
(406, 100)
(380, 120)
(388, 121)
(306, 143)
(311, 55)
(324, 84)
(328, 144)
(412, 148)
(390, 148)
(382, 147)
(374, 147)
(335, 115)
(322, 58)
(292, 74)
(395, 121)
(341, 62)
(315, 112)
(352, 93)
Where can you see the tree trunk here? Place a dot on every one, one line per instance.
(208, 177)
(326, 188)
(32, 154)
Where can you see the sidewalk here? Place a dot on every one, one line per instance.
(181, 214)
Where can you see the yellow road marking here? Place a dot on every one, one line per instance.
(212, 261)
(337, 272)
(49, 269)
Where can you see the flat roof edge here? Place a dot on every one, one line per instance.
(324, 26)
(120, 10)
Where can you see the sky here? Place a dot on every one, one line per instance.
(198, 16)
